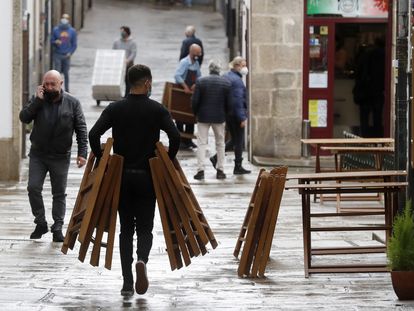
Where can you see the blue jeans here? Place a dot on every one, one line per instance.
(58, 168)
(61, 63)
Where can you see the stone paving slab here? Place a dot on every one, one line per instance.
(35, 275)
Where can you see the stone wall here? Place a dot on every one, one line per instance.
(10, 148)
(276, 79)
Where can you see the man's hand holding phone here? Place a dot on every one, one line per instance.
(40, 92)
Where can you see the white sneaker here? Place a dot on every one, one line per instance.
(141, 284)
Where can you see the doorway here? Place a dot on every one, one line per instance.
(360, 88)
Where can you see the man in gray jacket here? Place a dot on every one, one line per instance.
(128, 44)
(210, 102)
(56, 115)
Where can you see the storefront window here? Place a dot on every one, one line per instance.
(349, 8)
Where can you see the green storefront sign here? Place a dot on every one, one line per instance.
(349, 8)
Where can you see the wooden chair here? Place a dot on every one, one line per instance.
(185, 227)
(96, 207)
(260, 222)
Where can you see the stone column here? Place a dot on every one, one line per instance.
(276, 80)
(11, 68)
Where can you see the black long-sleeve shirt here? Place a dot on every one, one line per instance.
(136, 123)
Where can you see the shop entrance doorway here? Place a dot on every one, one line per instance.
(360, 91)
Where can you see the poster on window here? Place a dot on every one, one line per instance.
(349, 8)
(318, 112)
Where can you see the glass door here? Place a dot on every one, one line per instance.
(318, 78)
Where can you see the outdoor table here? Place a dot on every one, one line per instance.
(317, 143)
(378, 153)
(360, 182)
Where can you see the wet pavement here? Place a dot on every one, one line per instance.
(35, 275)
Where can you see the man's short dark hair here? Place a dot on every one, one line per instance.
(138, 74)
(126, 29)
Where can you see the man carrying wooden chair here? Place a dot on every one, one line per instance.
(136, 123)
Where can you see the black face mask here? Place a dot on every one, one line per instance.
(51, 96)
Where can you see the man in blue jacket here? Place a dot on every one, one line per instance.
(237, 119)
(64, 44)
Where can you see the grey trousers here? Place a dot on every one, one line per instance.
(58, 172)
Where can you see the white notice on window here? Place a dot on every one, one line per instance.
(318, 80)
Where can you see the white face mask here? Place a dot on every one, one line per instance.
(244, 71)
(64, 21)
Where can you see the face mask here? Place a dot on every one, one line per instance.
(196, 58)
(244, 71)
(123, 34)
(64, 21)
(149, 90)
(50, 96)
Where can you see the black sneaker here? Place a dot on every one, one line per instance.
(199, 175)
(58, 236)
(39, 231)
(141, 284)
(213, 160)
(239, 170)
(220, 174)
(192, 145)
(127, 290)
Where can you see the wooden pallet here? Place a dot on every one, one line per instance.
(259, 224)
(96, 207)
(185, 227)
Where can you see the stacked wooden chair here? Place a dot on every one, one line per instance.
(256, 233)
(186, 230)
(96, 207)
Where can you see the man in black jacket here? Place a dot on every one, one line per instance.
(55, 115)
(189, 41)
(210, 102)
(136, 123)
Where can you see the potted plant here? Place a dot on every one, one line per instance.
(401, 254)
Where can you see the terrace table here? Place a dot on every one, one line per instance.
(358, 182)
(317, 143)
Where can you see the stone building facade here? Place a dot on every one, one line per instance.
(276, 77)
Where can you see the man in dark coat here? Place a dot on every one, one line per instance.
(188, 41)
(56, 115)
(136, 123)
(210, 102)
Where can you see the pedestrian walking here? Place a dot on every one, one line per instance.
(136, 122)
(211, 102)
(236, 121)
(125, 42)
(64, 43)
(55, 115)
(188, 41)
(186, 74)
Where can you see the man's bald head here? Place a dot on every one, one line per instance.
(52, 81)
(195, 51)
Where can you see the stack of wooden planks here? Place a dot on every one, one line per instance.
(185, 227)
(260, 222)
(96, 207)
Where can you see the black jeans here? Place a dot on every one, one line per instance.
(364, 113)
(136, 213)
(58, 168)
(237, 138)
